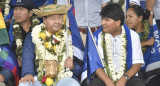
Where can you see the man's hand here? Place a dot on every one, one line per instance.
(69, 63)
(1, 78)
(28, 78)
(110, 84)
(121, 82)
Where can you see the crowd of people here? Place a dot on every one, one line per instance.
(39, 47)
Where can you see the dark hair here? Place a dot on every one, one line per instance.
(139, 11)
(113, 11)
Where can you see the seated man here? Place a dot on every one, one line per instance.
(120, 49)
(48, 51)
(23, 23)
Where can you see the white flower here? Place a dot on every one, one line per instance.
(115, 76)
(53, 41)
(7, 7)
(18, 42)
(16, 26)
(58, 50)
(7, 1)
(35, 20)
(119, 76)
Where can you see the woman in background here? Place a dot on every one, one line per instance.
(138, 19)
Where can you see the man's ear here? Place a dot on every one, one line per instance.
(30, 13)
(119, 22)
(141, 18)
(44, 20)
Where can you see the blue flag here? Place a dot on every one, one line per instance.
(127, 4)
(76, 38)
(153, 61)
(91, 57)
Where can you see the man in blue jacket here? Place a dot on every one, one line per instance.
(47, 56)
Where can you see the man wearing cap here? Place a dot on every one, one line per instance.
(21, 25)
(47, 57)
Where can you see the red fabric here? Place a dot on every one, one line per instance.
(14, 71)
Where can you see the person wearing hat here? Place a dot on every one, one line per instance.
(47, 57)
(22, 24)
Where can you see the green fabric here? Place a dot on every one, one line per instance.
(4, 39)
(4, 54)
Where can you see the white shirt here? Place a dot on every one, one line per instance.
(137, 55)
(157, 10)
(87, 12)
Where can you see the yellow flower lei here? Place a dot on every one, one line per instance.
(45, 44)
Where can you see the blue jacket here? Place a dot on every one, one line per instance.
(28, 57)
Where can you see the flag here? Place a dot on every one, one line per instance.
(153, 60)
(85, 66)
(8, 61)
(78, 46)
(72, 8)
(127, 4)
(91, 57)
(7, 58)
(3, 31)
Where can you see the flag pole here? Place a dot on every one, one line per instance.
(67, 34)
(67, 25)
(96, 48)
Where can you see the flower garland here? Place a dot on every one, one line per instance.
(2, 4)
(18, 35)
(7, 8)
(51, 47)
(145, 34)
(121, 2)
(108, 56)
